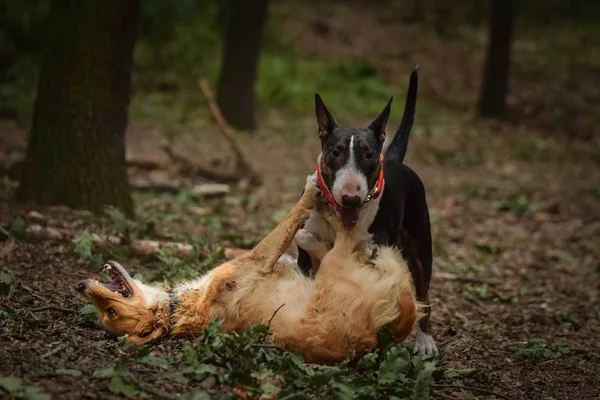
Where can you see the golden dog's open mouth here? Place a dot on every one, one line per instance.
(119, 282)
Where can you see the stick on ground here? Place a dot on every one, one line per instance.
(243, 166)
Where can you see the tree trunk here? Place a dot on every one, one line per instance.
(236, 94)
(492, 101)
(76, 149)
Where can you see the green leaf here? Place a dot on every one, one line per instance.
(104, 372)
(18, 228)
(72, 372)
(269, 388)
(368, 361)
(11, 384)
(83, 244)
(6, 280)
(423, 382)
(395, 364)
(88, 313)
(453, 373)
(385, 339)
(116, 215)
(343, 392)
(35, 393)
(14, 387)
(118, 385)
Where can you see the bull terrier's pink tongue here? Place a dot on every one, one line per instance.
(348, 216)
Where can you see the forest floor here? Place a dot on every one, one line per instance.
(515, 292)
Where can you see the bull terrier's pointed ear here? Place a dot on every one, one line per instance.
(379, 123)
(325, 120)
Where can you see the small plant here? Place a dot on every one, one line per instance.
(517, 204)
(561, 346)
(535, 349)
(6, 280)
(175, 269)
(251, 364)
(16, 228)
(469, 192)
(466, 267)
(121, 222)
(488, 249)
(83, 244)
(563, 318)
(87, 314)
(481, 292)
(11, 387)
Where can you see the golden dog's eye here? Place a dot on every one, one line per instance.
(111, 312)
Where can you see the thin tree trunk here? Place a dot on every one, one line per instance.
(236, 94)
(492, 101)
(76, 149)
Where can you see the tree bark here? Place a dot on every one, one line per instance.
(76, 148)
(492, 101)
(236, 94)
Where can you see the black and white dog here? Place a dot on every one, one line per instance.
(365, 184)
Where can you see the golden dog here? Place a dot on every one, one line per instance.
(353, 295)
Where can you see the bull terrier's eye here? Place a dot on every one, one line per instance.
(369, 156)
(111, 312)
(336, 153)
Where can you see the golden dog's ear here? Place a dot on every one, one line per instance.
(141, 340)
(146, 331)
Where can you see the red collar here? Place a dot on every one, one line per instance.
(373, 194)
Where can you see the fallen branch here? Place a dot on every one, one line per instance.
(471, 388)
(243, 167)
(141, 247)
(57, 349)
(153, 247)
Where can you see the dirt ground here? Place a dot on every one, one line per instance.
(516, 258)
(515, 220)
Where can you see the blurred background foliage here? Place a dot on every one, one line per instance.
(556, 44)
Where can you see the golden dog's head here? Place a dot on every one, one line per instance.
(127, 306)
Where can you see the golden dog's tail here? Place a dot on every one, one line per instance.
(409, 315)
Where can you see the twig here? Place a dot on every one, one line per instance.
(273, 316)
(471, 388)
(52, 308)
(57, 349)
(243, 166)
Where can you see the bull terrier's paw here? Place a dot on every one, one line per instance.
(307, 241)
(424, 344)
